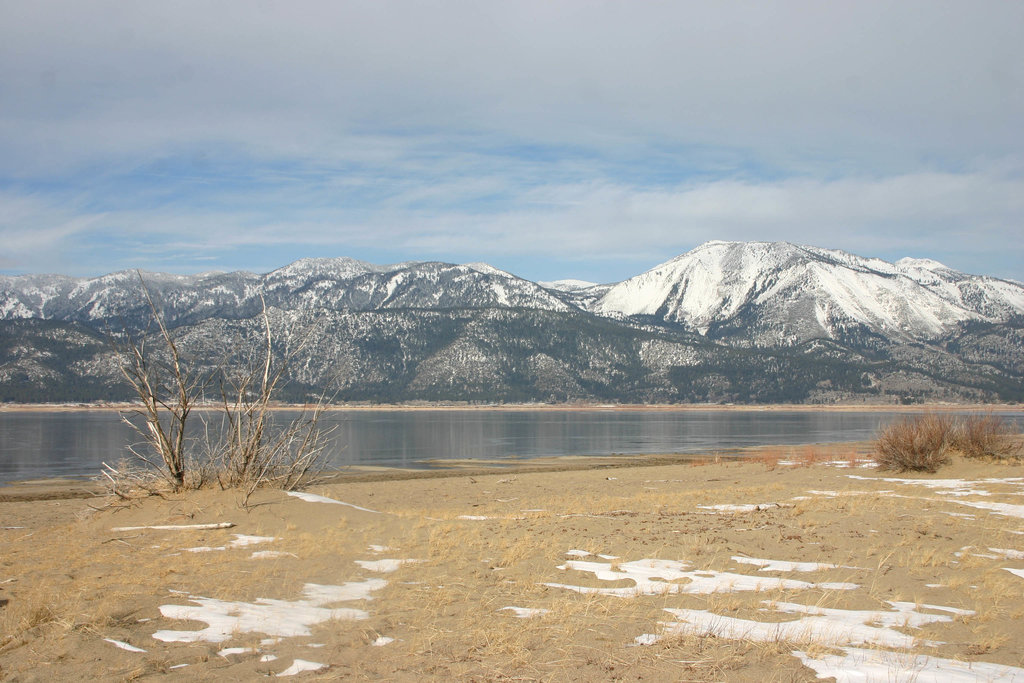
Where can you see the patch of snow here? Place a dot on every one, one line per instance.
(857, 665)
(658, 577)
(839, 494)
(998, 508)
(785, 565)
(1015, 572)
(384, 566)
(647, 639)
(748, 507)
(228, 651)
(526, 612)
(270, 555)
(272, 617)
(268, 658)
(379, 548)
(382, 641)
(123, 645)
(301, 665)
(822, 625)
(242, 540)
(472, 517)
(314, 498)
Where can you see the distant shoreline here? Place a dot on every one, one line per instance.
(561, 407)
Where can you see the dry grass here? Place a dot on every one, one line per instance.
(445, 613)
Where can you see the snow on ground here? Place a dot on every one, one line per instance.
(585, 553)
(658, 577)
(301, 665)
(843, 494)
(746, 507)
(384, 566)
(857, 665)
(824, 626)
(271, 555)
(226, 619)
(314, 498)
(525, 612)
(123, 645)
(784, 565)
(241, 541)
(959, 488)
(999, 508)
(950, 486)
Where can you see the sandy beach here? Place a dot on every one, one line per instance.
(791, 563)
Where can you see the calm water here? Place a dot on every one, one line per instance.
(76, 443)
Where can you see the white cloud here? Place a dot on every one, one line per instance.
(567, 130)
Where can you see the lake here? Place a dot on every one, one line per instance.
(75, 443)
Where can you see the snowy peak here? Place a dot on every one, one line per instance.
(752, 293)
(780, 293)
(313, 284)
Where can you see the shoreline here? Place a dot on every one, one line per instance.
(67, 487)
(560, 407)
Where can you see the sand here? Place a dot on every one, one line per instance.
(786, 564)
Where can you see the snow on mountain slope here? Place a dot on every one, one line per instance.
(785, 293)
(308, 284)
(993, 298)
(761, 293)
(568, 285)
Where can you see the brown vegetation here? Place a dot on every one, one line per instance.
(924, 443)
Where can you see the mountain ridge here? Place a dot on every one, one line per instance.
(726, 321)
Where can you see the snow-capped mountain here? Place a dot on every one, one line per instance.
(309, 284)
(726, 322)
(776, 293)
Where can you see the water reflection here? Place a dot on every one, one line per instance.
(34, 444)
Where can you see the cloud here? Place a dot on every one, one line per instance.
(956, 218)
(530, 132)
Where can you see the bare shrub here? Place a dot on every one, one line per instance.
(981, 436)
(245, 453)
(253, 451)
(918, 443)
(167, 389)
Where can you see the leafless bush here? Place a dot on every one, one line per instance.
(918, 443)
(254, 452)
(246, 452)
(981, 436)
(167, 389)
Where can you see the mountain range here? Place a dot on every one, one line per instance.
(725, 322)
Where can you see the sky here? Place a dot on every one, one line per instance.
(554, 139)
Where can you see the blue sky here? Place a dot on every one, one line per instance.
(580, 139)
